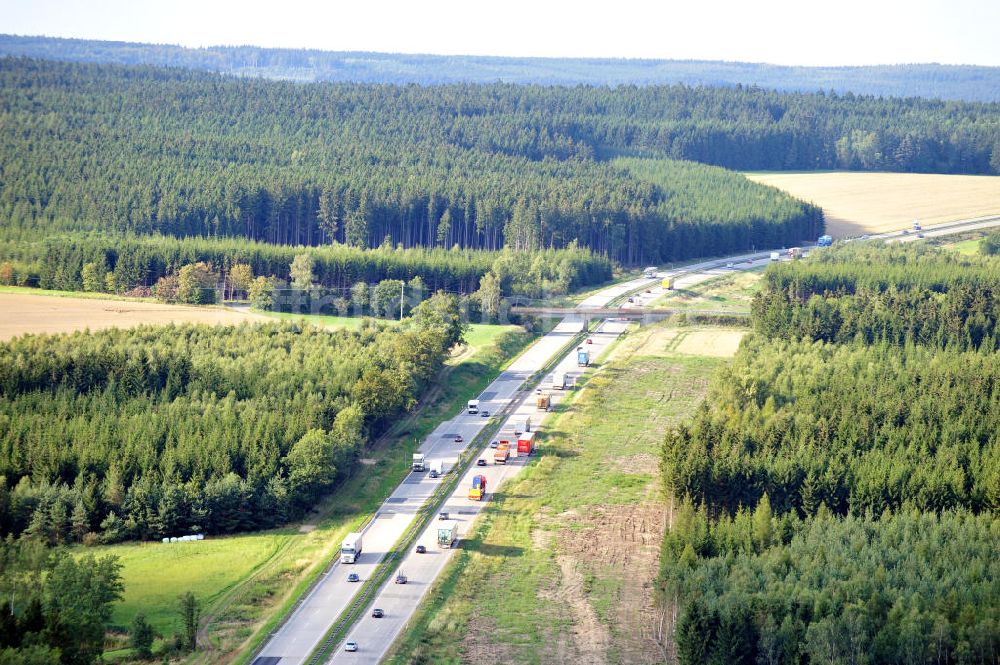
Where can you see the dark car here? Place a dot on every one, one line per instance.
(353, 577)
(458, 438)
(401, 579)
(484, 413)
(480, 462)
(377, 613)
(631, 299)
(421, 549)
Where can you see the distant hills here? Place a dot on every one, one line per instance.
(958, 82)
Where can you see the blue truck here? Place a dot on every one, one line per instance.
(824, 241)
(582, 357)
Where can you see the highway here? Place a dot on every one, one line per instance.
(296, 639)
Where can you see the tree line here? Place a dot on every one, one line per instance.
(163, 431)
(857, 429)
(872, 293)
(123, 264)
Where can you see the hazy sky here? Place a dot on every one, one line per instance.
(804, 32)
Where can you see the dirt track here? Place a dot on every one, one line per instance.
(24, 313)
(858, 203)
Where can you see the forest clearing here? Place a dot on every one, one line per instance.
(859, 203)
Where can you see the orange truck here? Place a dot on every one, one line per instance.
(526, 443)
(478, 490)
(543, 402)
(501, 454)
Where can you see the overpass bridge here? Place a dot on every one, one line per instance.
(641, 314)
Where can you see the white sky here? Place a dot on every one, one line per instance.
(789, 32)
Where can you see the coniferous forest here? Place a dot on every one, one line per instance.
(164, 431)
(838, 492)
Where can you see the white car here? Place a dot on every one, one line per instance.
(351, 646)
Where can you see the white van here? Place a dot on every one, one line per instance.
(436, 467)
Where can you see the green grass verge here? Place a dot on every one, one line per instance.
(730, 292)
(502, 586)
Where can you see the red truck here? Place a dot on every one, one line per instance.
(526, 443)
(478, 490)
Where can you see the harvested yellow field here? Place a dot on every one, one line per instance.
(27, 313)
(713, 343)
(858, 203)
(662, 342)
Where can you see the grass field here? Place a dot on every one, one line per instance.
(733, 291)
(245, 582)
(560, 568)
(858, 203)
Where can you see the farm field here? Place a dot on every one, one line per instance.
(26, 311)
(589, 548)
(859, 203)
(244, 582)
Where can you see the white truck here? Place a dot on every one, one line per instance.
(473, 406)
(775, 256)
(447, 533)
(419, 462)
(350, 550)
(436, 469)
(559, 381)
(522, 424)
(651, 272)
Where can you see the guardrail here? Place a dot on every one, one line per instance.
(359, 605)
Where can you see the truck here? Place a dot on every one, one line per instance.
(916, 225)
(775, 256)
(794, 252)
(473, 406)
(522, 424)
(543, 402)
(447, 533)
(350, 549)
(436, 469)
(478, 490)
(650, 272)
(419, 462)
(582, 356)
(502, 453)
(559, 381)
(825, 241)
(668, 283)
(526, 443)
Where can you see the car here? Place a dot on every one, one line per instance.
(493, 443)
(906, 232)
(864, 237)
(351, 646)
(421, 549)
(353, 577)
(729, 265)
(649, 290)
(484, 413)
(590, 341)
(920, 235)
(458, 438)
(631, 299)
(377, 613)
(400, 578)
(480, 462)
(443, 515)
